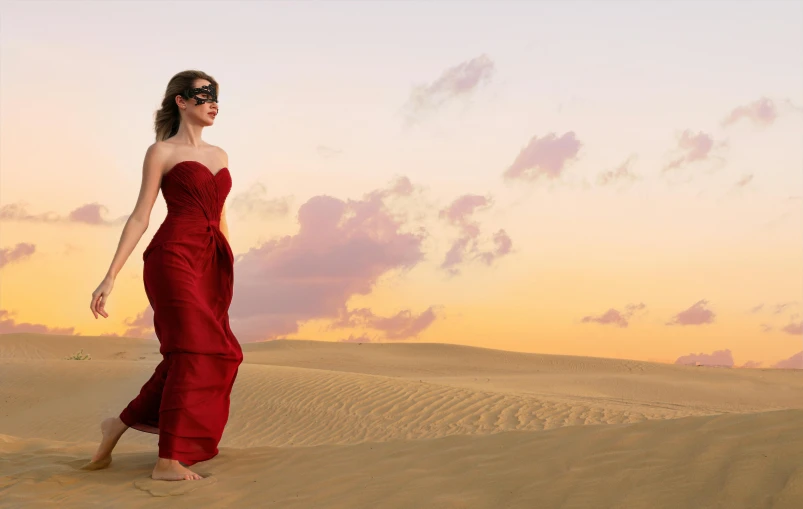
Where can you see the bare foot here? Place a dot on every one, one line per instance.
(172, 470)
(112, 429)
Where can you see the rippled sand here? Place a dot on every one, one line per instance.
(346, 425)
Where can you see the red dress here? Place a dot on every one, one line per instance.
(189, 278)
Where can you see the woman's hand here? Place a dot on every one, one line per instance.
(99, 297)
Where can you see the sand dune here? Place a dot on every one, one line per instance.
(318, 424)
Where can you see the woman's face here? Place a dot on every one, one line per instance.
(203, 113)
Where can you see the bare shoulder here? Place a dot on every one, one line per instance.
(158, 154)
(161, 149)
(161, 146)
(152, 172)
(224, 157)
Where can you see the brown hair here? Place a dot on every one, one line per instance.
(167, 118)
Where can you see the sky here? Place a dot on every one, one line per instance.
(610, 179)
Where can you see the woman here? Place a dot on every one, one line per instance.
(188, 276)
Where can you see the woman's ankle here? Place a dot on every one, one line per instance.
(166, 461)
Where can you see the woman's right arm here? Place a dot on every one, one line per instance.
(135, 226)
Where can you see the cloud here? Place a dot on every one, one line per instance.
(756, 309)
(793, 362)
(692, 148)
(503, 243)
(454, 82)
(458, 214)
(791, 210)
(357, 339)
(620, 173)
(459, 211)
(697, 314)
(545, 157)
(141, 326)
(778, 308)
(722, 358)
(790, 106)
(777, 221)
(86, 214)
(794, 328)
(9, 325)
(341, 249)
(402, 325)
(614, 316)
(327, 152)
(253, 203)
(248, 203)
(744, 180)
(22, 251)
(761, 112)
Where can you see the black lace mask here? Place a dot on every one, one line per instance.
(208, 90)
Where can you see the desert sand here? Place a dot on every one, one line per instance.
(409, 425)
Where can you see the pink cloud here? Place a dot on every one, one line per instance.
(356, 339)
(744, 180)
(458, 214)
(402, 325)
(751, 364)
(141, 326)
(756, 309)
(620, 173)
(459, 211)
(761, 112)
(22, 251)
(794, 328)
(454, 82)
(503, 245)
(90, 213)
(697, 314)
(341, 249)
(9, 325)
(615, 317)
(692, 148)
(793, 362)
(86, 214)
(454, 256)
(778, 308)
(546, 157)
(722, 358)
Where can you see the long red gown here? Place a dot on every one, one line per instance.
(189, 279)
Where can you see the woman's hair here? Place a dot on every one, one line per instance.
(168, 118)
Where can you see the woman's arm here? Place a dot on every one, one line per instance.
(137, 222)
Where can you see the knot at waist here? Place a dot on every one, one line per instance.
(217, 241)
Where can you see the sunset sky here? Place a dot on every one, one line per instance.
(613, 179)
